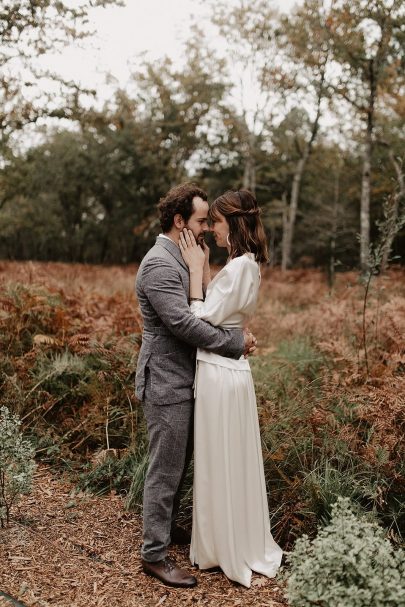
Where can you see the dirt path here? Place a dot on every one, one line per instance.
(71, 550)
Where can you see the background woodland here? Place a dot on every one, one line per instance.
(306, 109)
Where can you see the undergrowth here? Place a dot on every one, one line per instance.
(315, 445)
(329, 429)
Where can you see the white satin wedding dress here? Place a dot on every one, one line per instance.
(231, 526)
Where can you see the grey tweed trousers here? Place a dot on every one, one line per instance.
(170, 430)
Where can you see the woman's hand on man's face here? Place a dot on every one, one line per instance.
(206, 250)
(192, 253)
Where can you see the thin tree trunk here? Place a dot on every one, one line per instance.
(365, 206)
(285, 230)
(249, 173)
(288, 235)
(394, 211)
(272, 248)
(366, 175)
(288, 232)
(332, 258)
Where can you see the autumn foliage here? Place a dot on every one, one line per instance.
(69, 341)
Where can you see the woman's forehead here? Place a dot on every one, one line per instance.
(214, 214)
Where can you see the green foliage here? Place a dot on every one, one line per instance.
(350, 562)
(16, 463)
(89, 189)
(124, 474)
(338, 472)
(278, 375)
(138, 469)
(108, 471)
(90, 196)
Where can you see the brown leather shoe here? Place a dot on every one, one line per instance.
(167, 572)
(180, 536)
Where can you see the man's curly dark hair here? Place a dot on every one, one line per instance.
(178, 200)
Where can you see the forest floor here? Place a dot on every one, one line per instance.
(70, 549)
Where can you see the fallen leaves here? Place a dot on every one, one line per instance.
(48, 559)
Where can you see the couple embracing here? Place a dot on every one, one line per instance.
(194, 380)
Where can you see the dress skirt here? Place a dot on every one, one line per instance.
(231, 525)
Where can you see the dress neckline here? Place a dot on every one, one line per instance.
(249, 255)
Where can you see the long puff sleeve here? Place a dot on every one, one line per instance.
(166, 295)
(231, 293)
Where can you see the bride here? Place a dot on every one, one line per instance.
(231, 526)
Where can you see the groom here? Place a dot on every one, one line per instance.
(165, 374)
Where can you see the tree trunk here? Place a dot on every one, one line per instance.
(332, 258)
(272, 248)
(291, 213)
(288, 232)
(285, 237)
(249, 173)
(366, 174)
(365, 206)
(393, 212)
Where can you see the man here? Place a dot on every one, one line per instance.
(165, 374)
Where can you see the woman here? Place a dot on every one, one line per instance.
(231, 527)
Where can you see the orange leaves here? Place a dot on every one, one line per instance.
(68, 343)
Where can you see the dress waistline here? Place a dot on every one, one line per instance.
(241, 364)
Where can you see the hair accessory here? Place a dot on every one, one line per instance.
(243, 213)
(242, 210)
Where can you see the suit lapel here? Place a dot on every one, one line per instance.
(173, 249)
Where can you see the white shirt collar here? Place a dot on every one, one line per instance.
(168, 238)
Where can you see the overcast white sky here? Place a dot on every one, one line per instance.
(155, 27)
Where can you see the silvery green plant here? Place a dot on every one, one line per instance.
(349, 564)
(16, 463)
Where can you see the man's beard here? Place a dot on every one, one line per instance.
(199, 239)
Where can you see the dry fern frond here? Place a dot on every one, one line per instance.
(7, 304)
(80, 343)
(46, 340)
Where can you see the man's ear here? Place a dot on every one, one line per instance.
(179, 221)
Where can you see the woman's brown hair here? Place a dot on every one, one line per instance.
(246, 232)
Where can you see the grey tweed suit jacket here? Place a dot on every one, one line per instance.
(171, 333)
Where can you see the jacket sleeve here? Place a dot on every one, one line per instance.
(231, 292)
(164, 289)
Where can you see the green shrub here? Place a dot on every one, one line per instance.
(16, 463)
(139, 468)
(111, 472)
(349, 564)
